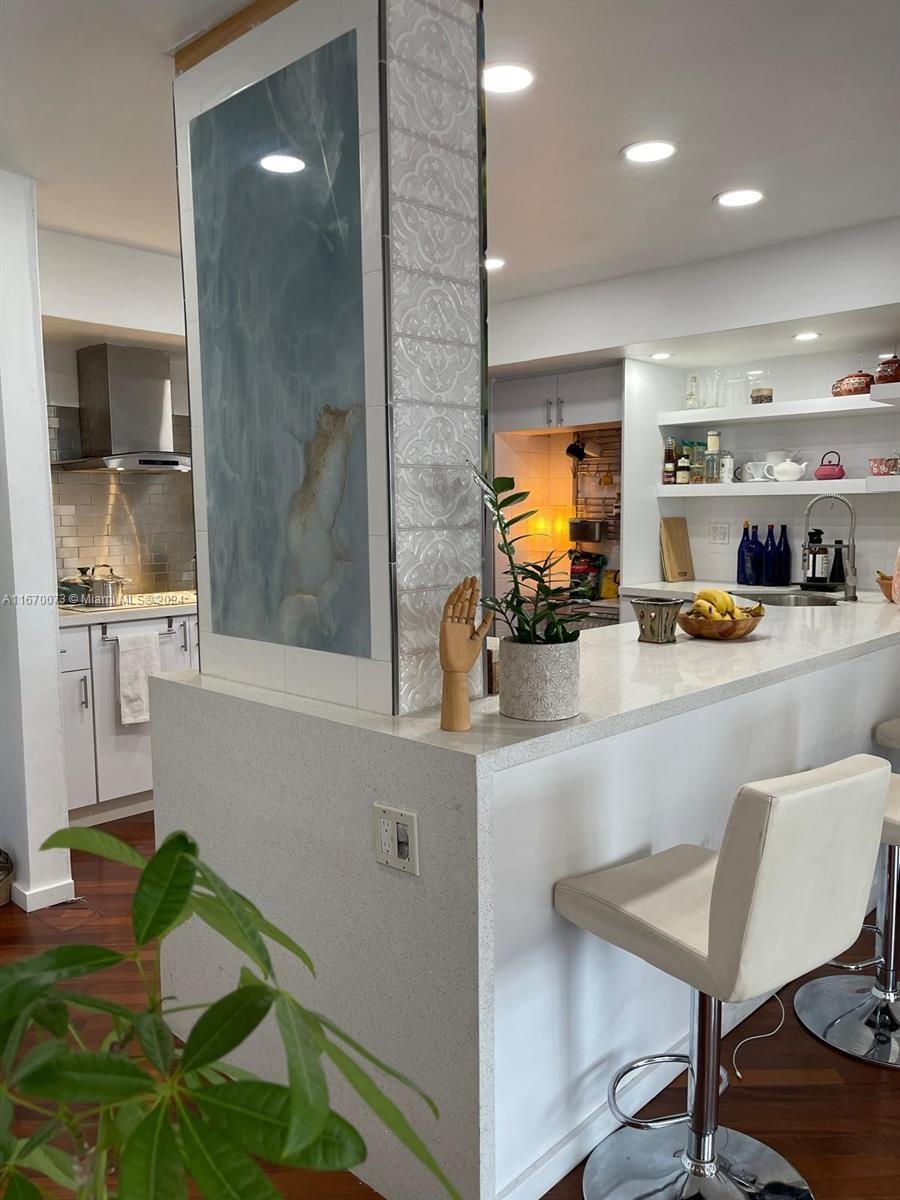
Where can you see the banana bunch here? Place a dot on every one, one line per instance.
(715, 605)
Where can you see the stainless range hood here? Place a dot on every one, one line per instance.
(125, 399)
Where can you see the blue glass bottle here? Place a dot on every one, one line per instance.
(784, 558)
(756, 557)
(743, 556)
(770, 559)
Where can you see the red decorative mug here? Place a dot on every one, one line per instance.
(830, 470)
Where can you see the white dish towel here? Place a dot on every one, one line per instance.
(138, 658)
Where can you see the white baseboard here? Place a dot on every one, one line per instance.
(111, 810)
(565, 1156)
(32, 899)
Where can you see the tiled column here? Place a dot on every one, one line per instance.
(435, 321)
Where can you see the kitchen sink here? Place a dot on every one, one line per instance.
(795, 599)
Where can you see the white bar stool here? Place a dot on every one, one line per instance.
(860, 1014)
(787, 892)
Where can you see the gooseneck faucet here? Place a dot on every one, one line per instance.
(850, 568)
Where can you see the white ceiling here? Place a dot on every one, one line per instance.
(86, 104)
(799, 98)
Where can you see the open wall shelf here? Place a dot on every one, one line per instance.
(803, 487)
(881, 399)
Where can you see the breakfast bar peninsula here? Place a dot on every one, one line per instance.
(463, 976)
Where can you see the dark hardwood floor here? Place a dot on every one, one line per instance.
(837, 1120)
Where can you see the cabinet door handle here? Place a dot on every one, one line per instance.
(549, 411)
(559, 411)
(85, 697)
(184, 638)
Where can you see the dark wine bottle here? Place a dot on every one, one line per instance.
(784, 558)
(744, 563)
(770, 559)
(756, 557)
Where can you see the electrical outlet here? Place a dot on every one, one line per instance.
(719, 533)
(396, 838)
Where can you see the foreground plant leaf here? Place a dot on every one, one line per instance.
(224, 1025)
(387, 1110)
(53, 1163)
(236, 907)
(221, 1169)
(23, 982)
(20, 1188)
(95, 841)
(254, 1114)
(87, 1077)
(164, 888)
(156, 1040)
(337, 1148)
(151, 1167)
(309, 1091)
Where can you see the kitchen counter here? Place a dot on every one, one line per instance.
(690, 587)
(140, 608)
(514, 1019)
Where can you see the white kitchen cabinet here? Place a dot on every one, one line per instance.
(589, 397)
(123, 751)
(569, 401)
(78, 736)
(524, 403)
(194, 641)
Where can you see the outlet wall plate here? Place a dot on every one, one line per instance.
(719, 533)
(396, 837)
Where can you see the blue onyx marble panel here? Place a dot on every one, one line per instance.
(279, 280)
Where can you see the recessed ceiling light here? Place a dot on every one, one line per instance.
(884, 356)
(649, 152)
(494, 264)
(507, 77)
(739, 198)
(282, 164)
(753, 374)
(806, 336)
(661, 356)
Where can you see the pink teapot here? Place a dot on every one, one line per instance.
(830, 470)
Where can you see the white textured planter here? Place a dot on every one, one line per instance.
(539, 682)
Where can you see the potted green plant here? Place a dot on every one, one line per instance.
(539, 658)
(140, 1115)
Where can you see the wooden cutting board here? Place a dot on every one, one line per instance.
(675, 549)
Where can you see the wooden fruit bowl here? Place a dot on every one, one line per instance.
(718, 631)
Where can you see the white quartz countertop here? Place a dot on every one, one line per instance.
(140, 608)
(626, 683)
(690, 587)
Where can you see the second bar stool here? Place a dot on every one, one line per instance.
(860, 1014)
(788, 891)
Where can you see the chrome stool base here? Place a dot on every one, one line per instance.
(633, 1164)
(843, 1012)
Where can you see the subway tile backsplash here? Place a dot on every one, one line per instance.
(142, 524)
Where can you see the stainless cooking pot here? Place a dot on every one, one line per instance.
(104, 591)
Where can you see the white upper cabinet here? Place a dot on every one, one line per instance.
(589, 397)
(525, 403)
(567, 401)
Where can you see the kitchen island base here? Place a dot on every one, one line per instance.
(465, 978)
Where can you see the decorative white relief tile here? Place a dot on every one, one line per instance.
(432, 108)
(435, 498)
(435, 372)
(420, 619)
(421, 681)
(426, 306)
(437, 557)
(462, 10)
(436, 242)
(422, 34)
(436, 433)
(422, 171)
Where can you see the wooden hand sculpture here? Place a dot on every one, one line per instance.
(460, 645)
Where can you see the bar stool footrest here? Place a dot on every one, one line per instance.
(864, 964)
(639, 1064)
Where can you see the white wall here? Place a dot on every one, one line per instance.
(105, 283)
(32, 782)
(833, 272)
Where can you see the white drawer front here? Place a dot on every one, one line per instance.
(74, 649)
